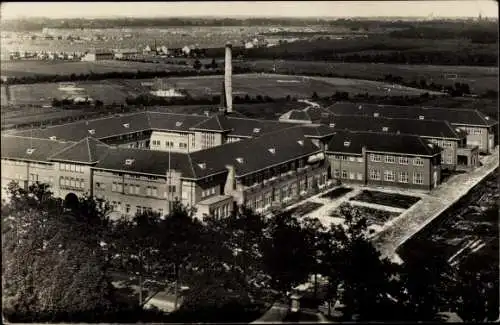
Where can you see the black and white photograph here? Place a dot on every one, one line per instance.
(250, 162)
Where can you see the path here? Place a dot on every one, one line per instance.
(416, 218)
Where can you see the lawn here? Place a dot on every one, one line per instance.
(305, 208)
(388, 199)
(336, 193)
(480, 79)
(373, 216)
(37, 67)
(117, 90)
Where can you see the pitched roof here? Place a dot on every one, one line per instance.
(452, 115)
(88, 150)
(217, 122)
(317, 131)
(98, 128)
(146, 161)
(15, 147)
(173, 122)
(246, 127)
(254, 154)
(428, 128)
(353, 142)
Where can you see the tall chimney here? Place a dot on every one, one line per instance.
(228, 75)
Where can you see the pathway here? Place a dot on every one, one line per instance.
(416, 218)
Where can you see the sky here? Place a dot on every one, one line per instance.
(461, 8)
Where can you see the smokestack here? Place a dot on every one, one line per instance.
(228, 75)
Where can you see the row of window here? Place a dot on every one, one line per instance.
(417, 161)
(209, 191)
(77, 183)
(117, 206)
(390, 176)
(71, 168)
(208, 140)
(348, 158)
(442, 143)
(473, 131)
(222, 211)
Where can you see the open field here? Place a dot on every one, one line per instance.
(117, 90)
(479, 79)
(37, 67)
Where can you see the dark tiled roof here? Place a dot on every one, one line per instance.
(255, 153)
(146, 161)
(87, 150)
(317, 131)
(17, 148)
(429, 128)
(103, 128)
(246, 127)
(352, 142)
(174, 122)
(452, 115)
(217, 122)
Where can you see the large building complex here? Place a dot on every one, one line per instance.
(147, 160)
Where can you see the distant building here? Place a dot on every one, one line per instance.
(98, 55)
(125, 53)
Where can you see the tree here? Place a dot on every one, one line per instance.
(55, 267)
(197, 64)
(315, 96)
(348, 256)
(287, 257)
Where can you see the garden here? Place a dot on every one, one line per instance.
(336, 193)
(305, 208)
(373, 216)
(388, 199)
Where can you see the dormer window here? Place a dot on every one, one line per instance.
(376, 114)
(202, 165)
(92, 131)
(301, 142)
(126, 125)
(272, 150)
(256, 130)
(129, 162)
(347, 143)
(360, 107)
(385, 129)
(52, 137)
(177, 124)
(240, 160)
(29, 151)
(421, 117)
(487, 118)
(430, 145)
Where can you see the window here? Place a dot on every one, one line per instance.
(344, 174)
(155, 191)
(113, 187)
(375, 158)
(359, 176)
(148, 191)
(359, 159)
(336, 173)
(352, 158)
(127, 208)
(449, 159)
(417, 178)
(389, 176)
(418, 161)
(375, 174)
(137, 189)
(390, 159)
(403, 177)
(403, 160)
(352, 175)
(171, 188)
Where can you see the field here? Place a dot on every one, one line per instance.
(480, 79)
(388, 199)
(37, 114)
(305, 208)
(36, 67)
(118, 90)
